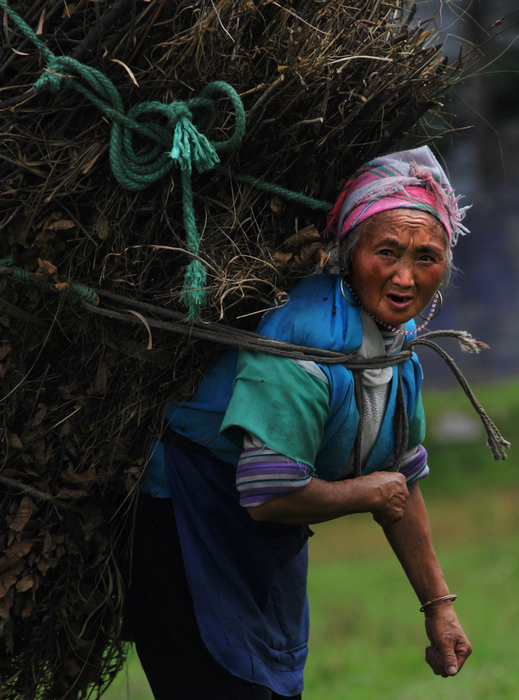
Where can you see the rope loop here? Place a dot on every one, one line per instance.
(179, 142)
(208, 94)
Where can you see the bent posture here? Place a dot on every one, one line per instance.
(269, 445)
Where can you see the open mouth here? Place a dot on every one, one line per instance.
(400, 301)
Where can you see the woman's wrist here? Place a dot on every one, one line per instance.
(430, 604)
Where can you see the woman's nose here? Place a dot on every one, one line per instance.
(403, 274)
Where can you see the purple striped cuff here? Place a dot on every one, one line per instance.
(263, 474)
(414, 465)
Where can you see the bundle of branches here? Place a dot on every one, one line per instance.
(324, 86)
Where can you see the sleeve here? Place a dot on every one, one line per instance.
(414, 463)
(263, 474)
(280, 403)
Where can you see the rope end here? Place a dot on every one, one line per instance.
(193, 295)
(190, 147)
(498, 445)
(469, 344)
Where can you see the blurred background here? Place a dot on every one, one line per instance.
(367, 637)
(482, 160)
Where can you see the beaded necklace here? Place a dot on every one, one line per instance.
(394, 329)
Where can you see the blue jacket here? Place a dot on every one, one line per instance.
(248, 579)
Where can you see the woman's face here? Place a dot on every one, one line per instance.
(398, 264)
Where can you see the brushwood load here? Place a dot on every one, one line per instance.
(166, 172)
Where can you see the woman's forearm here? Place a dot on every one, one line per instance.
(411, 540)
(382, 493)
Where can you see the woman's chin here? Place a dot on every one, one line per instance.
(395, 318)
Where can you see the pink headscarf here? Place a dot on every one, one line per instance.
(408, 179)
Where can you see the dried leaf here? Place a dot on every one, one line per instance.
(40, 415)
(61, 225)
(65, 429)
(100, 383)
(47, 268)
(72, 667)
(25, 583)
(324, 259)
(18, 230)
(14, 441)
(9, 578)
(277, 205)
(6, 602)
(85, 477)
(306, 255)
(66, 493)
(309, 233)
(101, 227)
(13, 473)
(4, 351)
(61, 286)
(13, 554)
(42, 455)
(23, 514)
(67, 391)
(28, 609)
(282, 259)
(43, 565)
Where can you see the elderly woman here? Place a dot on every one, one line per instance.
(268, 445)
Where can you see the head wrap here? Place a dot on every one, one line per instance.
(408, 179)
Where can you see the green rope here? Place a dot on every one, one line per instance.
(272, 188)
(22, 275)
(178, 143)
(80, 291)
(77, 290)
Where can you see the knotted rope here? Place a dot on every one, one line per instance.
(248, 340)
(177, 143)
(234, 337)
(77, 290)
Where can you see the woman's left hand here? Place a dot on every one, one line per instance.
(411, 540)
(449, 646)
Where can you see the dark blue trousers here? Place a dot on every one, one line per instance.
(161, 617)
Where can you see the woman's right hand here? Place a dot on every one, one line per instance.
(389, 493)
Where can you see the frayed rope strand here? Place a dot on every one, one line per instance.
(495, 440)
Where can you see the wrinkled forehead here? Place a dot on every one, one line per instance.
(404, 221)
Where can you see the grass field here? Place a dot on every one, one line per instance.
(367, 636)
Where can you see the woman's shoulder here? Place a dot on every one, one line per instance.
(316, 315)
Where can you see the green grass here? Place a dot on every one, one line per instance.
(467, 464)
(367, 639)
(131, 683)
(367, 636)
